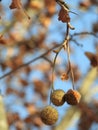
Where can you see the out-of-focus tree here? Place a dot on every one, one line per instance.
(32, 33)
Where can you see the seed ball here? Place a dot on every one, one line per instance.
(72, 97)
(57, 97)
(49, 115)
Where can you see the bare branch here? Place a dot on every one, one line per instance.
(25, 64)
(45, 53)
(84, 33)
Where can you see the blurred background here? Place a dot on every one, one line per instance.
(29, 32)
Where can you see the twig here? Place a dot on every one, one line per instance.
(25, 64)
(83, 33)
(41, 56)
(59, 49)
(77, 43)
(66, 43)
(48, 60)
(70, 66)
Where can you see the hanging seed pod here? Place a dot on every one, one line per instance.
(72, 97)
(49, 115)
(57, 97)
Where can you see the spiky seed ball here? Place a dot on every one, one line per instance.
(57, 97)
(72, 97)
(49, 115)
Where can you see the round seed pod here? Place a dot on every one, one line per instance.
(57, 97)
(49, 115)
(72, 97)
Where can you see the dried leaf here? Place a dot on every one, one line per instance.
(31, 108)
(21, 94)
(23, 82)
(16, 4)
(28, 119)
(50, 6)
(3, 66)
(12, 117)
(95, 27)
(2, 40)
(10, 90)
(94, 2)
(93, 58)
(37, 121)
(64, 76)
(41, 88)
(76, 73)
(85, 5)
(19, 125)
(64, 16)
(37, 5)
(45, 20)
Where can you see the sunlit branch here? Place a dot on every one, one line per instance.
(84, 33)
(25, 64)
(45, 53)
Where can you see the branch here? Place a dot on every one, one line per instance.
(84, 33)
(45, 53)
(25, 64)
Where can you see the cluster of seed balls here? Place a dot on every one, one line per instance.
(49, 114)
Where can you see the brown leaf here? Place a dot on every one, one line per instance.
(95, 27)
(21, 94)
(45, 20)
(16, 4)
(64, 76)
(28, 119)
(50, 6)
(37, 121)
(12, 117)
(94, 2)
(37, 5)
(76, 72)
(3, 66)
(10, 90)
(85, 5)
(2, 40)
(64, 16)
(31, 108)
(41, 88)
(93, 58)
(23, 82)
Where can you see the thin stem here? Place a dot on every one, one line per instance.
(54, 66)
(66, 44)
(70, 67)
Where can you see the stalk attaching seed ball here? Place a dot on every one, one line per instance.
(72, 97)
(49, 115)
(57, 97)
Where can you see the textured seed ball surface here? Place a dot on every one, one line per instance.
(57, 97)
(72, 97)
(49, 115)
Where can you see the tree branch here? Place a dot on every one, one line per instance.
(45, 53)
(84, 33)
(25, 64)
